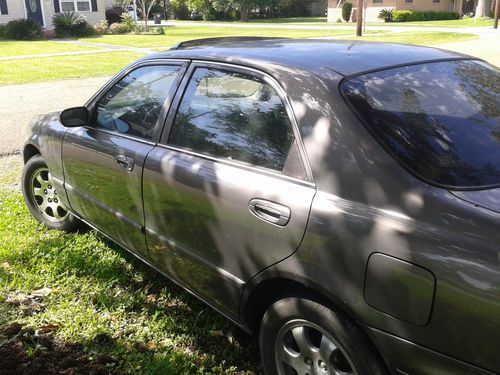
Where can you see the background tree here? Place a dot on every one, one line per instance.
(145, 8)
(482, 8)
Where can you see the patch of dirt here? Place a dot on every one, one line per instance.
(24, 351)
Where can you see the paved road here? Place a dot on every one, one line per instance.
(21, 102)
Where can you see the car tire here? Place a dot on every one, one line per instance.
(301, 336)
(42, 199)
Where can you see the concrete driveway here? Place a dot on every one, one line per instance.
(21, 102)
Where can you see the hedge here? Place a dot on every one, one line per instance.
(411, 15)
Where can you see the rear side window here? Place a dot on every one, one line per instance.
(234, 115)
(441, 120)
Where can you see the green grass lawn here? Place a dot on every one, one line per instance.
(101, 304)
(423, 39)
(179, 33)
(63, 67)
(18, 48)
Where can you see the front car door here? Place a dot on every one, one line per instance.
(103, 162)
(227, 192)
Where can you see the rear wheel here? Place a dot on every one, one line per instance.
(42, 198)
(301, 337)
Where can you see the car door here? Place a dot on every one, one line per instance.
(227, 192)
(103, 161)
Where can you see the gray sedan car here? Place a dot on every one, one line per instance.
(339, 199)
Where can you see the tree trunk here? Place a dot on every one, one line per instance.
(359, 18)
(497, 14)
(244, 14)
(482, 8)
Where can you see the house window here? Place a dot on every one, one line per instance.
(436, 1)
(378, 1)
(74, 5)
(408, 1)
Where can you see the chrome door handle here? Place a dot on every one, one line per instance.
(124, 162)
(269, 211)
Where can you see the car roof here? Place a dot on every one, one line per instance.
(342, 56)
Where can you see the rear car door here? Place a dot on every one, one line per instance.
(103, 161)
(227, 192)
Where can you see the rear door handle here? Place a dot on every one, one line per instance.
(269, 211)
(124, 162)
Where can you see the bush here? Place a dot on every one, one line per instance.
(118, 28)
(386, 15)
(491, 13)
(101, 27)
(71, 24)
(128, 21)
(2, 31)
(346, 11)
(23, 29)
(412, 16)
(114, 14)
(179, 9)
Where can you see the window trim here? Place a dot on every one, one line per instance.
(94, 100)
(195, 64)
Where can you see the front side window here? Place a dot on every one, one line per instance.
(441, 120)
(236, 116)
(132, 105)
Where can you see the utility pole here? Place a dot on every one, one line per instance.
(497, 14)
(359, 19)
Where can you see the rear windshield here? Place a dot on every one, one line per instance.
(441, 120)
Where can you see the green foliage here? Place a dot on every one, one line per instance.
(179, 9)
(346, 11)
(71, 24)
(411, 16)
(2, 31)
(386, 15)
(23, 29)
(128, 21)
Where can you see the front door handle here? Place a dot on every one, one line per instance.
(124, 162)
(269, 211)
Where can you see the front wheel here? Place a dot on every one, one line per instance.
(302, 337)
(42, 198)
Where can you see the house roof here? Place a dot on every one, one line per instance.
(342, 56)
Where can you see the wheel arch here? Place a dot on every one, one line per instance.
(29, 151)
(264, 291)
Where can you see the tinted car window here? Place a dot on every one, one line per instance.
(442, 120)
(133, 104)
(233, 115)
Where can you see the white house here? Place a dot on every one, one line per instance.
(42, 11)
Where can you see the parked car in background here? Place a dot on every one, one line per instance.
(339, 199)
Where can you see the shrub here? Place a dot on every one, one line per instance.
(23, 29)
(491, 13)
(114, 14)
(346, 11)
(128, 21)
(118, 28)
(71, 24)
(411, 16)
(101, 27)
(179, 9)
(386, 15)
(2, 31)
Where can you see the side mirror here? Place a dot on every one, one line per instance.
(74, 117)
